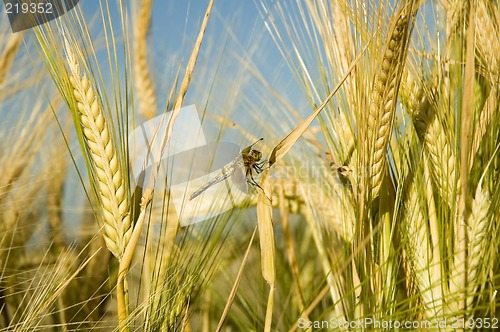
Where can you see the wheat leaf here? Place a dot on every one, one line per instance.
(286, 143)
(266, 233)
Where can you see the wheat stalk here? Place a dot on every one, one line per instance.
(173, 224)
(458, 270)
(109, 181)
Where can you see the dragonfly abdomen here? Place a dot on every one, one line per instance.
(224, 174)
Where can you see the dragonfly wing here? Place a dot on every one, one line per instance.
(240, 178)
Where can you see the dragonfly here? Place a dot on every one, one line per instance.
(242, 167)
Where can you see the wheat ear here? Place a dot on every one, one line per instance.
(106, 172)
(487, 38)
(488, 45)
(431, 131)
(418, 248)
(8, 55)
(478, 222)
(144, 84)
(384, 95)
(442, 159)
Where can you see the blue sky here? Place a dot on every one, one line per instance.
(235, 31)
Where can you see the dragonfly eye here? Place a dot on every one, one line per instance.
(256, 155)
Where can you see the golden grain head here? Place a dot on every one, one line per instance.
(106, 169)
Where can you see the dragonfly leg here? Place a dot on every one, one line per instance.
(255, 184)
(259, 167)
(252, 180)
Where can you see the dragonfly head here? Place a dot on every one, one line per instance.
(256, 155)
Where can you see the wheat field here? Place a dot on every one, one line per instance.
(376, 207)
